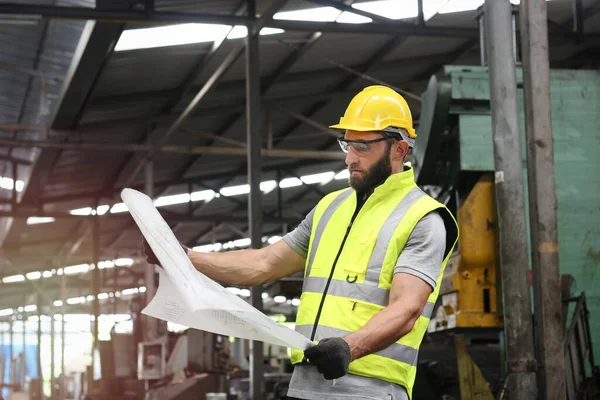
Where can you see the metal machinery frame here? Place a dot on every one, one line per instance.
(456, 158)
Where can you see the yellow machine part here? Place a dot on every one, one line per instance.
(473, 385)
(468, 291)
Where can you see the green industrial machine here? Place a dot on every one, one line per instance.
(455, 162)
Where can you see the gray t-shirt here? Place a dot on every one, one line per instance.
(422, 257)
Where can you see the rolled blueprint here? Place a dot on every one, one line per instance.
(190, 298)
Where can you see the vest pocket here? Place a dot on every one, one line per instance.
(357, 313)
(359, 247)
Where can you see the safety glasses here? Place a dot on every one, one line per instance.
(360, 146)
(364, 146)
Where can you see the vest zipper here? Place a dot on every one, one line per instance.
(314, 331)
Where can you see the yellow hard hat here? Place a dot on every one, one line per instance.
(376, 108)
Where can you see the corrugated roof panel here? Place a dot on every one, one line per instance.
(11, 96)
(464, 19)
(593, 24)
(46, 47)
(113, 132)
(53, 57)
(76, 3)
(272, 51)
(82, 169)
(48, 232)
(304, 85)
(18, 48)
(349, 50)
(423, 46)
(561, 11)
(112, 111)
(216, 60)
(222, 6)
(203, 6)
(62, 38)
(148, 69)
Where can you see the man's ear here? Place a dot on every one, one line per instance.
(400, 150)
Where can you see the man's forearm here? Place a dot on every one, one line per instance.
(249, 267)
(243, 267)
(385, 328)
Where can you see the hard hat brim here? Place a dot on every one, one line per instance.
(351, 127)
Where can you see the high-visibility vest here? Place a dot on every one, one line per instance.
(350, 266)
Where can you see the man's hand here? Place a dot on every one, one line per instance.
(151, 257)
(331, 357)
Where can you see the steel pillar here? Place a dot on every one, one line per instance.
(52, 353)
(39, 341)
(44, 109)
(2, 352)
(254, 139)
(63, 297)
(420, 13)
(150, 330)
(578, 18)
(95, 284)
(542, 200)
(114, 299)
(24, 334)
(11, 353)
(520, 360)
(14, 197)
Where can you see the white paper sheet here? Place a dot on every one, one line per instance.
(187, 297)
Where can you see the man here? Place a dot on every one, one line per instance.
(372, 256)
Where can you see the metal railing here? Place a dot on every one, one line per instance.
(578, 349)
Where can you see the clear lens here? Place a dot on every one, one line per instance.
(343, 145)
(360, 147)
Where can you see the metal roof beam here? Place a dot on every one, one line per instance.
(265, 85)
(170, 217)
(373, 28)
(21, 161)
(344, 7)
(239, 84)
(192, 242)
(180, 92)
(187, 83)
(230, 174)
(225, 151)
(212, 81)
(177, 17)
(120, 17)
(97, 40)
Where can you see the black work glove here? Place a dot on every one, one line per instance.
(151, 257)
(331, 357)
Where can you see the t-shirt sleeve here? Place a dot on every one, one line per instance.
(299, 238)
(424, 251)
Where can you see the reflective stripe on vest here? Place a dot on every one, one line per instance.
(355, 291)
(386, 233)
(323, 221)
(395, 351)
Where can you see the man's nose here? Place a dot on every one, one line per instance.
(351, 157)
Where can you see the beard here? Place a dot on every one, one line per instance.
(378, 173)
